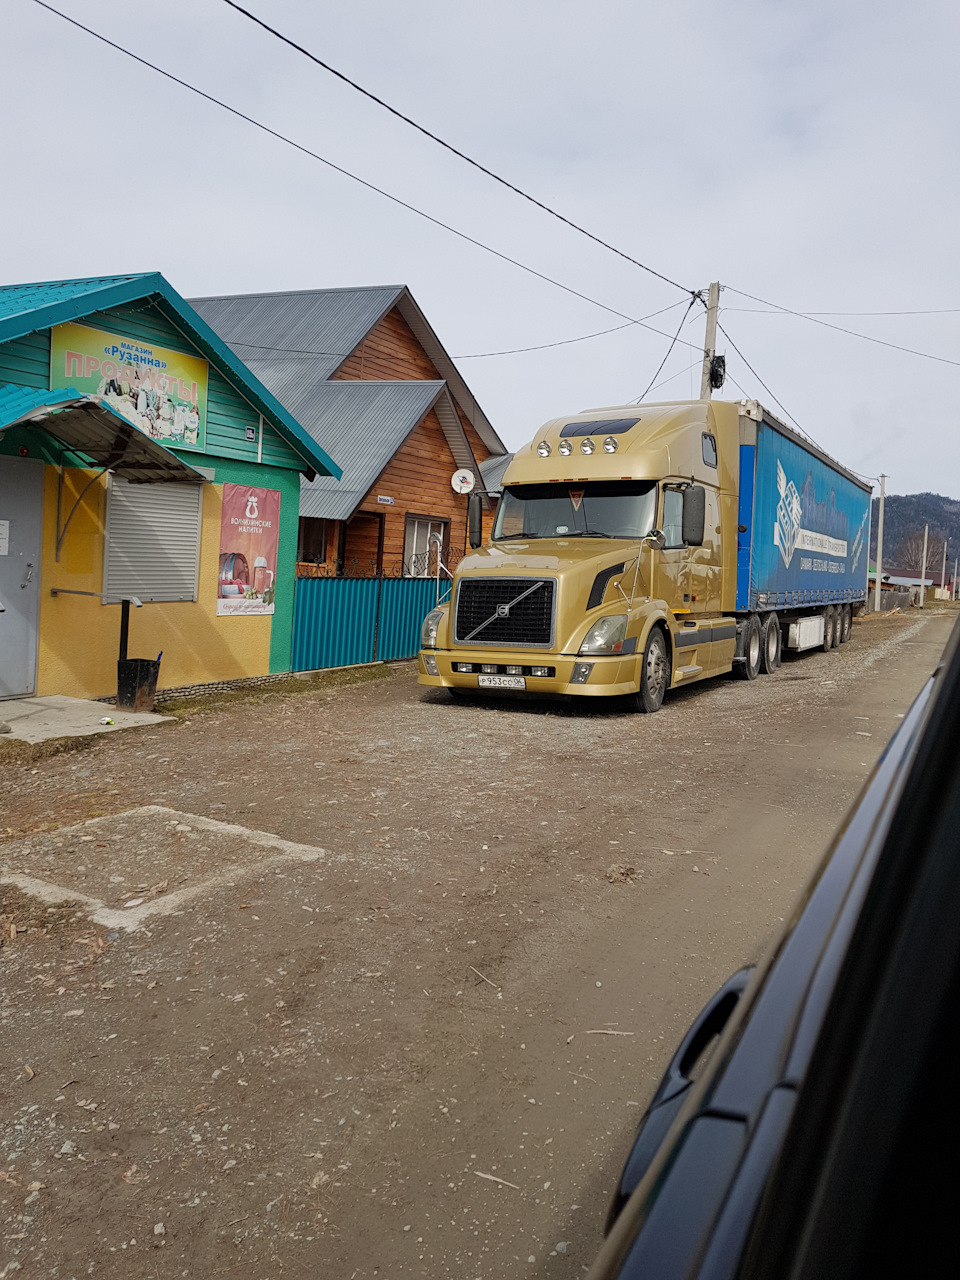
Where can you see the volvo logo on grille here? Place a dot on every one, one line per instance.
(503, 611)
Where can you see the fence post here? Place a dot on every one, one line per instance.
(376, 618)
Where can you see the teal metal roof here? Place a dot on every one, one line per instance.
(16, 401)
(24, 308)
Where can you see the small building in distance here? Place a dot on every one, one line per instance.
(366, 375)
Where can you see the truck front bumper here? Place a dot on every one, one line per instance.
(608, 677)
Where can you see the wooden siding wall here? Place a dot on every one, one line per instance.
(361, 544)
(417, 477)
(389, 353)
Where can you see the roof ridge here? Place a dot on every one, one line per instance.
(295, 293)
(45, 284)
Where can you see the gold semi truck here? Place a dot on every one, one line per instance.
(639, 548)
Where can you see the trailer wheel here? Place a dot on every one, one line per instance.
(770, 641)
(846, 622)
(829, 628)
(654, 673)
(752, 649)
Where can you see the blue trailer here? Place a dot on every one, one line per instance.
(803, 531)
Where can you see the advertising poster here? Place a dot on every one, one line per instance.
(161, 392)
(249, 542)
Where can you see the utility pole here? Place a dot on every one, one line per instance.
(923, 571)
(953, 593)
(943, 569)
(710, 344)
(876, 597)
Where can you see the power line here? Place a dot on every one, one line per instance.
(680, 374)
(757, 311)
(761, 381)
(809, 315)
(185, 84)
(806, 315)
(566, 342)
(287, 351)
(673, 343)
(452, 149)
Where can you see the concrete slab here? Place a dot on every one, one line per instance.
(120, 869)
(37, 719)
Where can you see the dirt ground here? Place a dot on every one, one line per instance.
(361, 982)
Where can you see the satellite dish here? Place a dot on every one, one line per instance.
(463, 481)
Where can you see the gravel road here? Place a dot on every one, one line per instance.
(362, 982)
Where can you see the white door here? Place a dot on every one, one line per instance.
(21, 517)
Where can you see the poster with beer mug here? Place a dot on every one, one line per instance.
(249, 541)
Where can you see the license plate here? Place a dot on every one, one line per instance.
(501, 682)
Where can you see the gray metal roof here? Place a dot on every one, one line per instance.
(326, 324)
(322, 327)
(491, 472)
(364, 424)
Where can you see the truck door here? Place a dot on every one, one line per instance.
(672, 562)
(705, 565)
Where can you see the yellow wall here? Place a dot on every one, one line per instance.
(79, 637)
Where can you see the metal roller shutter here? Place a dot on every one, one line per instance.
(152, 545)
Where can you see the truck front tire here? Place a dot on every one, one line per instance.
(654, 673)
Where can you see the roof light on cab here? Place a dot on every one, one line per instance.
(544, 449)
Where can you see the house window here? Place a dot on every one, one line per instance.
(673, 517)
(312, 541)
(152, 541)
(419, 552)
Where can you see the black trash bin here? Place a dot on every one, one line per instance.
(137, 683)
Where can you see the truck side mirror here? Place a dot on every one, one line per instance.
(694, 512)
(474, 519)
(656, 539)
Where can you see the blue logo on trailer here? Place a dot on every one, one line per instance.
(809, 527)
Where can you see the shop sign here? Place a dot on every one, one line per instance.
(249, 544)
(161, 392)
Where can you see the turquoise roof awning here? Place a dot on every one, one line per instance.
(24, 308)
(88, 426)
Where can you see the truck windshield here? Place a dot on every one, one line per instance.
(601, 509)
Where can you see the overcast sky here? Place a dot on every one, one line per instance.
(805, 153)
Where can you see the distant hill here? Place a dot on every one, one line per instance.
(906, 514)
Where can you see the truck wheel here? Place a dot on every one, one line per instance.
(654, 673)
(752, 649)
(846, 622)
(829, 629)
(770, 644)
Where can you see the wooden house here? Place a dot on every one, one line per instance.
(365, 374)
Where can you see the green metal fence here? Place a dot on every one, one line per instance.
(341, 621)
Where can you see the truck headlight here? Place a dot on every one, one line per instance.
(606, 635)
(431, 624)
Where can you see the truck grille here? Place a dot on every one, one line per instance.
(507, 612)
